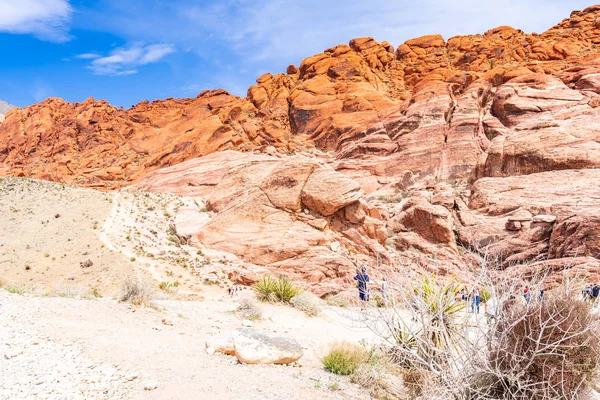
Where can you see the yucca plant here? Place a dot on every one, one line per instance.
(279, 289)
(437, 309)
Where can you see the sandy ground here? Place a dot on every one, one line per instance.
(49, 229)
(66, 348)
(64, 335)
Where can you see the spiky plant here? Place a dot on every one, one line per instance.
(279, 289)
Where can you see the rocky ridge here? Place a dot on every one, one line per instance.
(479, 145)
(4, 108)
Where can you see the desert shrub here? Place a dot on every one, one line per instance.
(306, 302)
(135, 292)
(168, 287)
(379, 301)
(279, 289)
(336, 301)
(249, 309)
(14, 289)
(485, 295)
(437, 309)
(380, 376)
(343, 358)
(545, 350)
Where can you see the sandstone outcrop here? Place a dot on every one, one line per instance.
(453, 148)
(95, 144)
(281, 213)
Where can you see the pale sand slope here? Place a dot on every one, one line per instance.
(73, 346)
(48, 229)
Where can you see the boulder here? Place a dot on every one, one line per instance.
(222, 343)
(253, 347)
(326, 191)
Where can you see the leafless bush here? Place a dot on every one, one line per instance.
(541, 349)
(135, 292)
(545, 350)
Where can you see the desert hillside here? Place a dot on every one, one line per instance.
(475, 147)
(135, 244)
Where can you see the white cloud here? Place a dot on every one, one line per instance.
(46, 19)
(234, 41)
(271, 30)
(88, 56)
(126, 60)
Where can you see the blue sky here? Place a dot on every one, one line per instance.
(126, 51)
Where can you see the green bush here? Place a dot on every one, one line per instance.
(14, 289)
(343, 358)
(484, 295)
(279, 289)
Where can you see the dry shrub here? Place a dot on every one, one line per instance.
(250, 309)
(380, 377)
(306, 302)
(545, 350)
(135, 292)
(336, 301)
(343, 358)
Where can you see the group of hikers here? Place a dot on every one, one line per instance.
(591, 293)
(472, 298)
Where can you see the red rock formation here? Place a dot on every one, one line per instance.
(513, 115)
(289, 214)
(96, 144)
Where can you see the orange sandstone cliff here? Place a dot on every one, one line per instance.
(487, 142)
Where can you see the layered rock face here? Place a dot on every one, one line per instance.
(476, 147)
(292, 214)
(96, 144)
(430, 106)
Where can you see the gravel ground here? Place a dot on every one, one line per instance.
(33, 365)
(68, 348)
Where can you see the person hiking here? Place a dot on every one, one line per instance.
(385, 291)
(541, 295)
(475, 300)
(527, 294)
(363, 291)
(464, 296)
(595, 293)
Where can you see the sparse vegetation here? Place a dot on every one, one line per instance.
(343, 358)
(306, 302)
(14, 289)
(250, 309)
(135, 292)
(168, 287)
(336, 301)
(279, 289)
